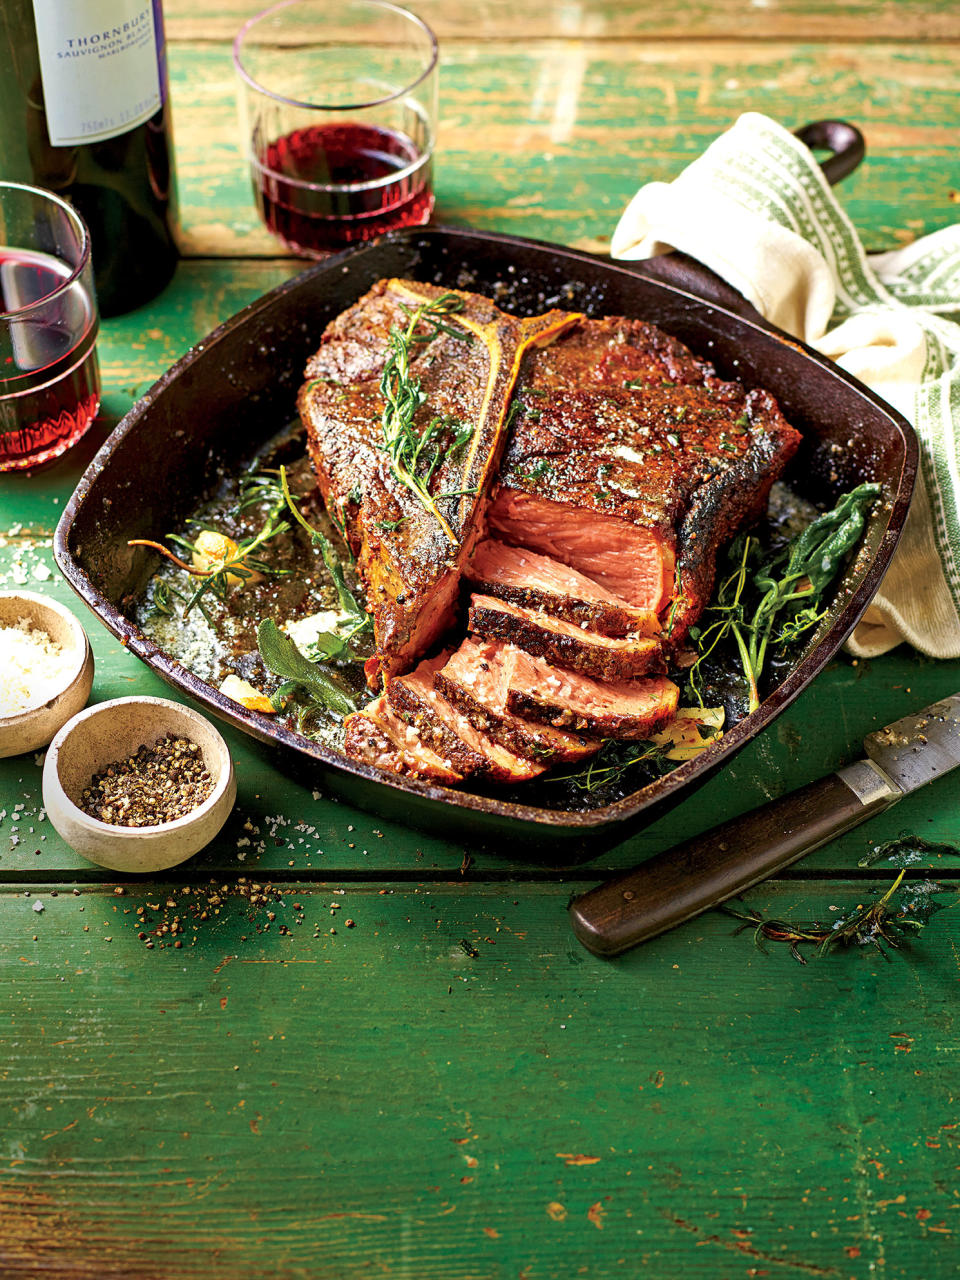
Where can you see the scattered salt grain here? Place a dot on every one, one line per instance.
(38, 906)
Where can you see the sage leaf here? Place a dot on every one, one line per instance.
(281, 656)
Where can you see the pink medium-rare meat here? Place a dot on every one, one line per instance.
(564, 643)
(460, 374)
(476, 680)
(627, 560)
(535, 581)
(415, 700)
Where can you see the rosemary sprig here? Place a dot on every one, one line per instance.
(260, 486)
(875, 925)
(415, 456)
(239, 562)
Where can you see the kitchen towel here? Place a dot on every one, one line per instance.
(756, 208)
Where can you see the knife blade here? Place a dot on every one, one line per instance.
(679, 883)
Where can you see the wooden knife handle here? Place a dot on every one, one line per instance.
(678, 884)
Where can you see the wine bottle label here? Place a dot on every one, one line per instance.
(99, 67)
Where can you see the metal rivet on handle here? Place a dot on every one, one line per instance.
(628, 894)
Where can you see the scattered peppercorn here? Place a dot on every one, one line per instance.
(156, 785)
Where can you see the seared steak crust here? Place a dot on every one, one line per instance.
(631, 709)
(444, 728)
(476, 680)
(378, 737)
(561, 642)
(408, 560)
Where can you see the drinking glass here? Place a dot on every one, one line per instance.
(49, 376)
(338, 106)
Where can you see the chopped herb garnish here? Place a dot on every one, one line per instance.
(673, 439)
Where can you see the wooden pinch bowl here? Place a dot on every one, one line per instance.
(115, 730)
(33, 728)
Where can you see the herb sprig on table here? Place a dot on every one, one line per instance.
(415, 456)
(879, 924)
(773, 602)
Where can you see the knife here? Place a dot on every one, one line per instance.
(678, 884)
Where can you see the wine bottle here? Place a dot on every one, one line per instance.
(84, 112)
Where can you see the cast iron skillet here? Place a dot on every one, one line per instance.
(235, 389)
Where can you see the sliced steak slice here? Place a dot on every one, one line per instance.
(537, 581)
(562, 642)
(410, 549)
(631, 461)
(476, 680)
(618, 709)
(376, 736)
(415, 700)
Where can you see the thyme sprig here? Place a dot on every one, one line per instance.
(415, 456)
(330, 644)
(781, 599)
(878, 924)
(612, 761)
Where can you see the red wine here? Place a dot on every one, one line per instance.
(49, 376)
(330, 185)
(84, 112)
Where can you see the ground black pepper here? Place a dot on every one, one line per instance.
(158, 784)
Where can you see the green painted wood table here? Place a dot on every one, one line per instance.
(397, 1061)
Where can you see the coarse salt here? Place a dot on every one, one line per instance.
(31, 667)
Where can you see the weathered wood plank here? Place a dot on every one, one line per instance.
(380, 1102)
(505, 20)
(551, 140)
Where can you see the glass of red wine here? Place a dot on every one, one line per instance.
(49, 376)
(338, 105)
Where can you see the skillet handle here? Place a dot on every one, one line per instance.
(845, 142)
(847, 146)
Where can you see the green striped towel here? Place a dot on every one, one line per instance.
(756, 208)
